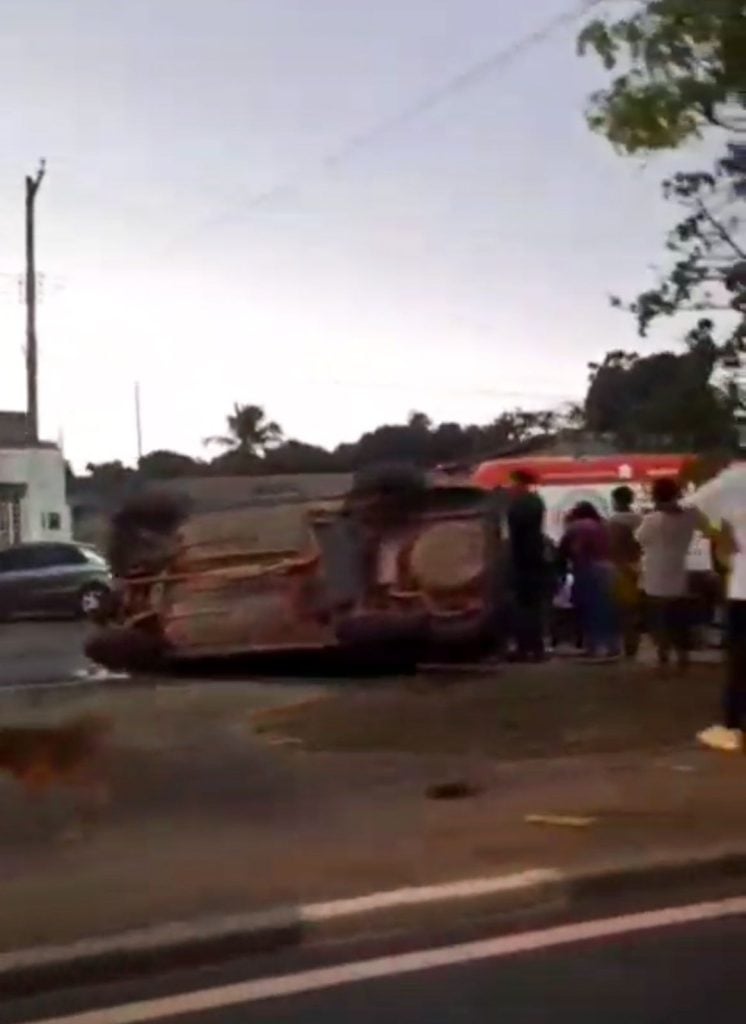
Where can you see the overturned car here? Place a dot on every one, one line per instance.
(399, 568)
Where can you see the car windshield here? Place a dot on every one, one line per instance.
(94, 557)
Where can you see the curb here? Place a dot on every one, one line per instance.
(183, 944)
(663, 876)
(77, 679)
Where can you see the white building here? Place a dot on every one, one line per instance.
(33, 502)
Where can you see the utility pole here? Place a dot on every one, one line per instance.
(138, 422)
(32, 373)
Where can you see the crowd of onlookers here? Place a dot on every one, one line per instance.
(611, 580)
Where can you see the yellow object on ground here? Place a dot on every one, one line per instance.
(562, 820)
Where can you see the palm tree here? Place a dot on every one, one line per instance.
(249, 431)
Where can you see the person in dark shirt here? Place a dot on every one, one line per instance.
(528, 567)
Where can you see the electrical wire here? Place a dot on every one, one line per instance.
(488, 66)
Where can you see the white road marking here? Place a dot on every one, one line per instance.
(469, 888)
(283, 986)
(180, 932)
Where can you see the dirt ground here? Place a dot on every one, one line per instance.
(561, 708)
(505, 712)
(41, 652)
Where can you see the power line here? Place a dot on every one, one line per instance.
(433, 387)
(450, 390)
(492, 64)
(498, 61)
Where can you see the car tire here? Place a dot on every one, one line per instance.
(90, 599)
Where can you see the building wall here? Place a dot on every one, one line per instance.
(45, 513)
(218, 492)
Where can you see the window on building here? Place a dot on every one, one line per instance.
(51, 521)
(15, 522)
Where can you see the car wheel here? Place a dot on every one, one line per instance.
(90, 599)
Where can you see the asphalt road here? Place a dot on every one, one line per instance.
(50, 653)
(624, 972)
(690, 975)
(37, 653)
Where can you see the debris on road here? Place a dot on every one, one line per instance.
(455, 790)
(560, 820)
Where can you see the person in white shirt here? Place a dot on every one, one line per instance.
(665, 537)
(723, 501)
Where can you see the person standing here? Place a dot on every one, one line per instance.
(625, 556)
(528, 568)
(586, 546)
(665, 536)
(723, 502)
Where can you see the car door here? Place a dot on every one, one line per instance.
(58, 572)
(18, 567)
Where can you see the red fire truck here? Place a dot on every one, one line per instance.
(563, 481)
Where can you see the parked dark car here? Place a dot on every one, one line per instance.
(52, 579)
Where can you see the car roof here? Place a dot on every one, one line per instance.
(35, 545)
(44, 544)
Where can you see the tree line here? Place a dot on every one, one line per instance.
(668, 401)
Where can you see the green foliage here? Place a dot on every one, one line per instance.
(250, 433)
(423, 443)
(258, 450)
(681, 68)
(639, 403)
(664, 401)
(708, 272)
(166, 465)
(109, 476)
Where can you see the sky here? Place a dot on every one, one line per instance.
(206, 228)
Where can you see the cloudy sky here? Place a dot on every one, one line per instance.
(206, 228)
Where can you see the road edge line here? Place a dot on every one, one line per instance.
(183, 944)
